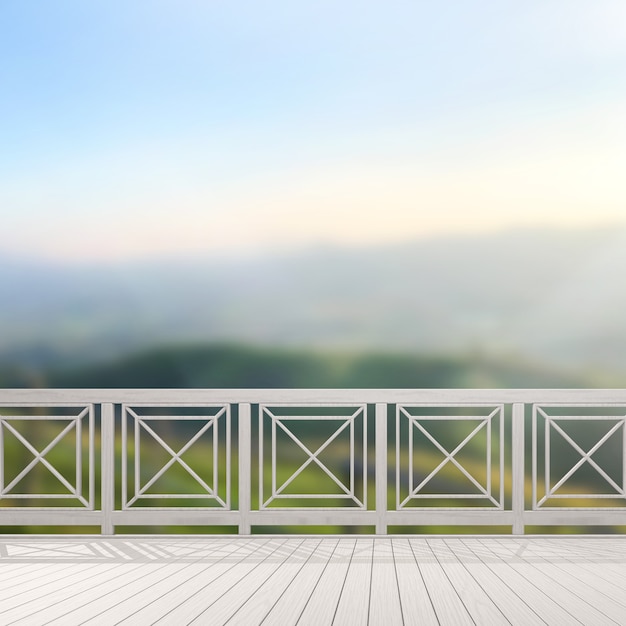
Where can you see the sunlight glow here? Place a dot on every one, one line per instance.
(191, 129)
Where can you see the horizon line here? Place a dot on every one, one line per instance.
(276, 251)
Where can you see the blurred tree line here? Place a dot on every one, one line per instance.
(239, 366)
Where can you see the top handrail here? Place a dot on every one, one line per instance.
(269, 395)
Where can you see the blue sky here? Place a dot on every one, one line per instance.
(182, 127)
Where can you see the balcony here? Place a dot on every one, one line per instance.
(382, 471)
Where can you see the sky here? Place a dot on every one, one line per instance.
(143, 128)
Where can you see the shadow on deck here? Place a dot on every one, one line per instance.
(319, 580)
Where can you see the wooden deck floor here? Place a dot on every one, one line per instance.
(313, 580)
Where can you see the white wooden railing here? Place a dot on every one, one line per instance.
(385, 459)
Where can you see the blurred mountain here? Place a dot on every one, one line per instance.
(552, 296)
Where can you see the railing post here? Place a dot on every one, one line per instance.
(245, 461)
(381, 468)
(518, 482)
(107, 467)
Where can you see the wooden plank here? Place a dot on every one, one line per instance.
(588, 589)
(34, 571)
(63, 592)
(257, 607)
(598, 576)
(222, 609)
(142, 592)
(385, 605)
(417, 609)
(555, 603)
(353, 606)
(475, 599)
(583, 549)
(602, 559)
(203, 597)
(193, 548)
(448, 606)
(561, 548)
(88, 591)
(542, 604)
(586, 586)
(10, 568)
(231, 557)
(609, 570)
(513, 607)
(38, 591)
(289, 607)
(412, 581)
(103, 589)
(321, 605)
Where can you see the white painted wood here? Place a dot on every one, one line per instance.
(279, 496)
(417, 608)
(86, 590)
(448, 606)
(251, 589)
(380, 518)
(175, 517)
(313, 517)
(556, 604)
(179, 397)
(605, 595)
(292, 602)
(517, 469)
(174, 579)
(515, 609)
(209, 593)
(227, 558)
(557, 561)
(61, 593)
(245, 456)
(353, 607)
(475, 598)
(381, 468)
(107, 427)
(48, 517)
(444, 516)
(385, 605)
(321, 606)
(258, 606)
(568, 517)
(94, 596)
(605, 562)
(533, 595)
(43, 588)
(17, 579)
(605, 577)
(90, 601)
(132, 598)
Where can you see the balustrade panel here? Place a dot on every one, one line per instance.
(176, 456)
(47, 456)
(376, 458)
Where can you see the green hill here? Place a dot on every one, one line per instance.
(238, 366)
